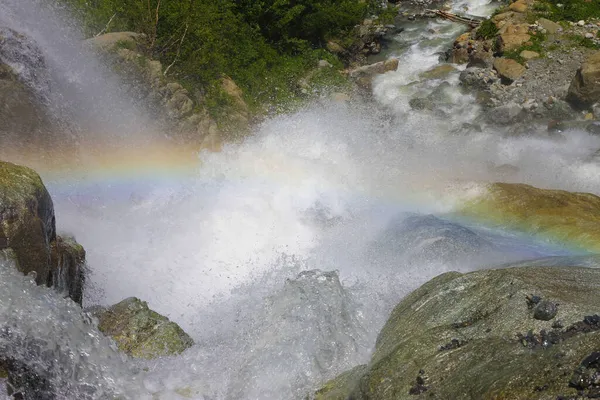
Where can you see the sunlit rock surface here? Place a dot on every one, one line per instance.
(141, 332)
(560, 216)
(474, 336)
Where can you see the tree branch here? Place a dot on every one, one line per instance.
(106, 27)
(178, 51)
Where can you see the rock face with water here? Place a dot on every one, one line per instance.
(22, 113)
(475, 336)
(314, 315)
(564, 217)
(141, 332)
(67, 274)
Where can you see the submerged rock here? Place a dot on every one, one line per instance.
(315, 317)
(560, 216)
(483, 313)
(141, 332)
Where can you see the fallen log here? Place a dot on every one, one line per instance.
(471, 20)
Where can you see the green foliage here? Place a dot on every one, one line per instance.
(537, 44)
(584, 42)
(264, 45)
(313, 21)
(569, 10)
(487, 30)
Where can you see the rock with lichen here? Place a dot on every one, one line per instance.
(141, 332)
(501, 350)
(28, 237)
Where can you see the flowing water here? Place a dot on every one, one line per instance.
(283, 255)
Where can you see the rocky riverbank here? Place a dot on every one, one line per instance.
(526, 68)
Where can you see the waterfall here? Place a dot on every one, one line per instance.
(233, 245)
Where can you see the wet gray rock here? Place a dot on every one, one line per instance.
(545, 310)
(480, 315)
(505, 114)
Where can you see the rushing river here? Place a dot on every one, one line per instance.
(236, 246)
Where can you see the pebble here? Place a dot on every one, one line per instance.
(589, 35)
(545, 310)
(581, 23)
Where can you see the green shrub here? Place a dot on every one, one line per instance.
(487, 30)
(265, 46)
(569, 10)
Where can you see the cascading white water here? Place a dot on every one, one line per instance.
(222, 249)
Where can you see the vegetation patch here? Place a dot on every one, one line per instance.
(568, 10)
(264, 46)
(487, 30)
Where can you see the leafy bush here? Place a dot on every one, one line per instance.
(487, 30)
(264, 45)
(570, 10)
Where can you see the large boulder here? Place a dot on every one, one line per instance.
(513, 36)
(28, 233)
(585, 87)
(508, 69)
(27, 223)
(559, 216)
(141, 332)
(516, 333)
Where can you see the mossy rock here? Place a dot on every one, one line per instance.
(560, 216)
(67, 274)
(141, 332)
(474, 336)
(27, 223)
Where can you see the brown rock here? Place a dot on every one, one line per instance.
(459, 56)
(550, 26)
(502, 17)
(518, 6)
(439, 72)
(508, 69)
(511, 41)
(391, 64)
(529, 55)
(585, 87)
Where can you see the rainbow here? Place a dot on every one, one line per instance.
(121, 169)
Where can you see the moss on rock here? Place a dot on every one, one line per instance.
(141, 332)
(26, 219)
(68, 267)
(563, 217)
(487, 316)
